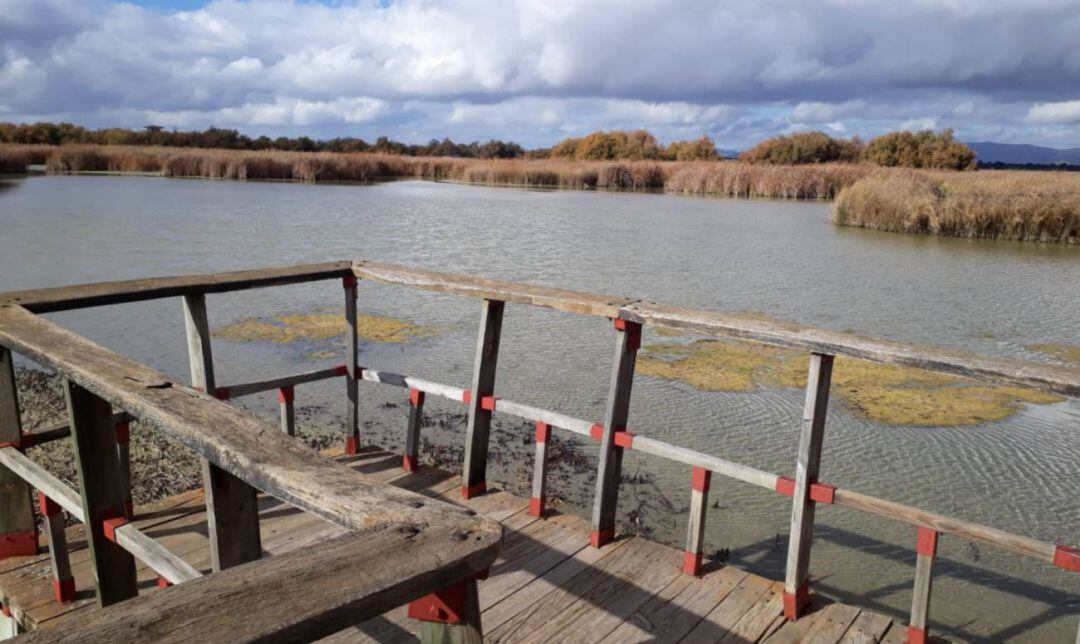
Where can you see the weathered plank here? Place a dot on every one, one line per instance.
(63, 582)
(926, 550)
(286, 400)
(248, 388)
(728, 612)
(834, 621)
(62, 298)
(412, 431)
(98, 465)
(868, 628)
(695, 526)
(158, 558)
(539, 477)
(18, 529)
(474, 471)
(352, 356)
(301, 595)
(609, 466)
(756, 621)
(42, 479)
(231, 509)
(796, 592)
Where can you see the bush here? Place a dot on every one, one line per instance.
(923, 149)
(804, 147)
(703, 149)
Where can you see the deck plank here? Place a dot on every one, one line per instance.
(868, 628)
(728, 612)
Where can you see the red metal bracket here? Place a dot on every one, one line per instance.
(409, 464)
(543, 432)
(48, 507)
(110, 526)
(64, 590)
(926, 544)
(598, 538)
(918, 635)
(623, 438)
(691, 563)
(466, 396)
(416, 397)
(348, 280)
(286, 394)
(819, 492)
(123, 433)
(18, 544)
(342, 370)
(700, 480)
(632, 329)
(489, 402)
(1067, 558)
(536, 506)
(446, 605)
(472, 491)
(795, 602)
(352, 446)
(163, 583)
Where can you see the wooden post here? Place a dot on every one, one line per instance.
(474, 477)
(286, 395)
(926, 550)
(539, 482)
(796, 589)
(352, 384)
(695, 530)
(18, 528)
(98, 463)
(63, 581)
(609, 471)
(232, 512)
(412, 431)
(450, 616)
(123, 445)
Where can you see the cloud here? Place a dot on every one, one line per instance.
(544, 68)
(1064, 112)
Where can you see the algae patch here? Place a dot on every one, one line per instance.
(882, 393)
(1065, 352)
(321, 326)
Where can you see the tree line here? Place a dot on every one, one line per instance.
(925, 149)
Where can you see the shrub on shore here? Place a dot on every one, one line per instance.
(1009, 204)
(803, 148)
(923, 149)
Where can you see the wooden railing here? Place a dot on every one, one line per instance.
(235, 464)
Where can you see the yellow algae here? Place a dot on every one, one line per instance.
(882, 393)
(1066, 352)
(320, 326)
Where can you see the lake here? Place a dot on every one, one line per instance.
(780, 259)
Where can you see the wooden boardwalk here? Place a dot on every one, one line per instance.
(548, 584)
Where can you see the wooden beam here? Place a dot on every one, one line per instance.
(539, 481)
(157, 557)
(474, 476)
(796, 590)
(926, 550)
(57, 432)
(352, 392)
(63, 298)
(302, 595)
(228, 436)
(695, 527)
(18, 528)
(232, 512)
(44, 480)
(229, 392)
(98, 464)
(410, 460)
(63, 581)
(609, 468)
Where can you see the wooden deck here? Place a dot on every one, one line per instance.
(548, 585)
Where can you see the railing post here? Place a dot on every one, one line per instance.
(352, 384)
(123, 445)
(286, 396)
(695, 529)
(412, 432)
(63, 582)
(474, 477)
(539, 482)
(450, 615)
(609, 469)
(796, 589)
(232, 512)
(98, 463)
(18, 529)
(926, 550)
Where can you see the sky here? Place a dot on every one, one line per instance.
(537, 71)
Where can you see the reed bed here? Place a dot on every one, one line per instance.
(1017, 205)
(746, 180)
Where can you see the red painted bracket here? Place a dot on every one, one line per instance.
(466, 396)
(632, 329)
(18, 544)
(348, 281)
(222, 393)
(110, 526)
(489, 402)
(163, 583)
(536, 506)
(543, 432)
(1067, 558)
(700, 480)
(446, 605)
(926, 544)
(795, 602)
(409, 463)
(623, 438)
(416, 397)
(472, 491)
(48, 507)
(691, 563)
(64, 590)
(25, 440)
(342, 370)
(598, 538)
(819, 492)
(286, 395)
(352, 446)
(918, 635)
(123, 433)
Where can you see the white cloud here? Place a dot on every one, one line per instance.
(1064, 112)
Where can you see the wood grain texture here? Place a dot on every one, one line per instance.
(609, 465)
(478, 428)
(16, 502)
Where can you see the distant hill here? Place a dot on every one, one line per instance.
(729, 154)
(1013, 153)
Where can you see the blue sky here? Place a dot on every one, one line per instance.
(537, 71)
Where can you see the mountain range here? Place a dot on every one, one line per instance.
(990, 152)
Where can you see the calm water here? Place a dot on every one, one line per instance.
(782, 259)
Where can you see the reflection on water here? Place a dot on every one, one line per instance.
(782, 259)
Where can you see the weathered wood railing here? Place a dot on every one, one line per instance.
(613, 435)
(407, 546)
